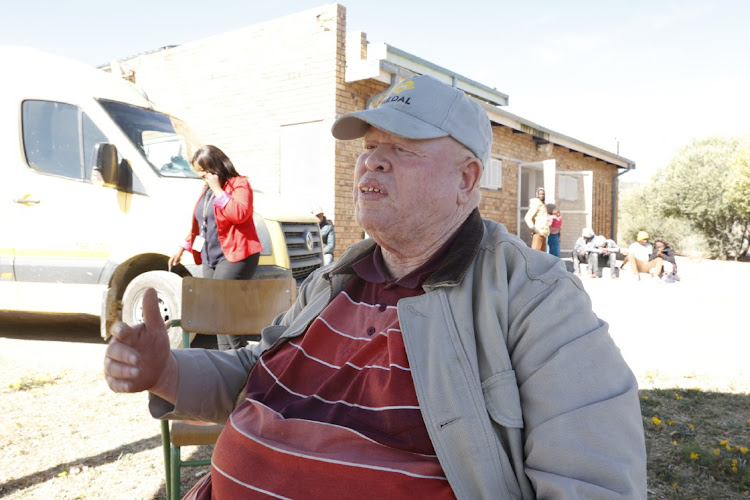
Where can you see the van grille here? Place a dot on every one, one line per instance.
(303, 261)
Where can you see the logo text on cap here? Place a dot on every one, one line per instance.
(396, 98)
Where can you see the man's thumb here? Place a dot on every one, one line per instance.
(151, 312)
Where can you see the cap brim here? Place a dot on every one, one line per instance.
(355, 125)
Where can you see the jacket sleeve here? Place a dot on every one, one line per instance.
(580, 245)
(529, 218)
(583, 430)
(239, 207)
(331, 241)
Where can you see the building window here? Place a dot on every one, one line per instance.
(567, 187)
(492, 178)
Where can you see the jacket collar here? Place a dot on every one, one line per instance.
(451, 271)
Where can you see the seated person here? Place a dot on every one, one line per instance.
(640, 257)
(583, 251)
(668, 271)
(606, 252)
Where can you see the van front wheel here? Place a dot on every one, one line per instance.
(168, 288)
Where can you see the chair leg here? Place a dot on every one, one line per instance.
(165, 448)
(175, 472)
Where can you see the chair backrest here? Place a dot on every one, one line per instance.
(234, 307)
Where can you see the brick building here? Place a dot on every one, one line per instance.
(269, 93)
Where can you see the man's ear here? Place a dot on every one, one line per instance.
(471, 175)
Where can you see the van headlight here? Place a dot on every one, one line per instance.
(263, 235)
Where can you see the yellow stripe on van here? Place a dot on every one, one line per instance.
(81, 254)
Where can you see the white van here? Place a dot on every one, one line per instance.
(96, 193)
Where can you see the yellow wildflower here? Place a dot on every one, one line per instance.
(691, 426)
(723, 443)
(670, 422)
(694, 456)
(656, 420)
(677, 396)
(716, 451)
(674, 442)
(743, 449)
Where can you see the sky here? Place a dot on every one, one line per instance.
(638, 78)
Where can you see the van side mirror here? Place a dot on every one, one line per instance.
(106, 169)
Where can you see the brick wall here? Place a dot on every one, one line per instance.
(238, 89)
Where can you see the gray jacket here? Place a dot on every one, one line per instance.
(523, 392)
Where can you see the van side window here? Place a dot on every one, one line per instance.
(53, 133)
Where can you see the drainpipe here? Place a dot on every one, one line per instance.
(615, 184)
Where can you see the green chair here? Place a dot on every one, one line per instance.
(229, 307)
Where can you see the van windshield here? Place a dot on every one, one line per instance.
(165, 142)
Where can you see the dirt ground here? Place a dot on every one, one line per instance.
(67, 436)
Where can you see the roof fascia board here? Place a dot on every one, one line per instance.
(383, 60)
(515, 122)
(400, 58)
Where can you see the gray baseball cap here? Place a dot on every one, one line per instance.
(422, 107)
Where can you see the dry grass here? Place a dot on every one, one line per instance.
(697, 443)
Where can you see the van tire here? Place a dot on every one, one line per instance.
(168, 288)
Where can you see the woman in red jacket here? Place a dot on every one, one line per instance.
(223, 237)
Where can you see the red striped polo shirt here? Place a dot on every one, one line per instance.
(334, 413)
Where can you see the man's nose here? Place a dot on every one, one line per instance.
(378, 159)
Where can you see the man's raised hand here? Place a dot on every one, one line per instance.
(138, 357)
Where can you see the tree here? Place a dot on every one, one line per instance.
(693, 187)
(640, 211)
(738, 193)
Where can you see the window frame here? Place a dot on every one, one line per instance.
(492, 177)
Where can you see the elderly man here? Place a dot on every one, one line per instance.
(442, 357)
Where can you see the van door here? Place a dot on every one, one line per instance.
(63, 224)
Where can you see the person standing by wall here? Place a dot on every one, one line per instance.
(327, 235)
(554, 218)
(222, 238)
(536, 219)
